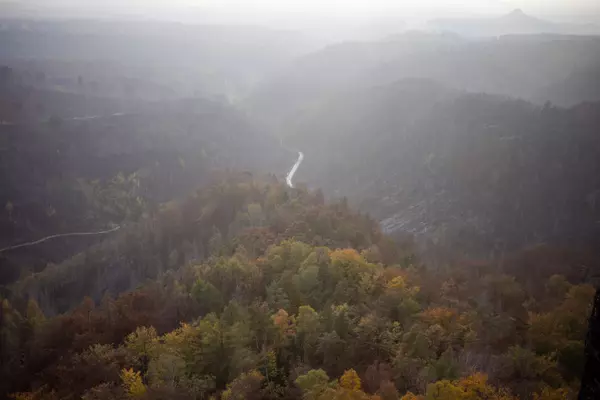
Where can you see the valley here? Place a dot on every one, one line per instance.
(242, 212)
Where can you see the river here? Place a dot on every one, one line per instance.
(292, 172)
(288, 178)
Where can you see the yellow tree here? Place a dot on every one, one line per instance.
(132, 383)
(349, 388)
(350, 380)
(411, 396)
(473, 387)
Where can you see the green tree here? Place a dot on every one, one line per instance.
(307, 327)
(208, 296)
(313, 383)
(247, 386)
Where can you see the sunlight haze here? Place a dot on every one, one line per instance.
(299, 199)
(264, 11)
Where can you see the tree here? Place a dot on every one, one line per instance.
(286, 327)
(144, 345)
(398, 300)
(563, 329)
(525, 372)
(10, 341)
(247, 386)
(313, 383)
(167, 369)
(350, 380)
(205, 350)
(256, 215)
(307, 326)
(143, 341)
(208, 296)
(35, 317)
(132, 383)
(411, 396)
(387, 391)
(473, 387)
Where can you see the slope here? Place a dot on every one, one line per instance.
(483, 171)
(82, 175)
(299, 299)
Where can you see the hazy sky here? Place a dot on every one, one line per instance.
(264, 10)
(571, 6)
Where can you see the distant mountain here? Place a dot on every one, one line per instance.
(518, 66)
(190, 60)
(514, 23)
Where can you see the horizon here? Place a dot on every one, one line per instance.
(297, 14)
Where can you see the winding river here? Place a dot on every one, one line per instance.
(288, 178)
(292, 172)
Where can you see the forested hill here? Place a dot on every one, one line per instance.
(68, 175)
(214, 220)
(474, 170)
(265, 292)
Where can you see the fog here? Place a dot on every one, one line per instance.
(299, 199)
(281, 13)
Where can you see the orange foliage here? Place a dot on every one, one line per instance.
(439, 315)
(411, 396)
(472, 387)
(345, 255)
(282, 320)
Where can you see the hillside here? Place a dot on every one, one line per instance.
(263, 292)
(518, 66)
(84, 175)
(23, 99)
(235, 212)
(583, 84)
(474, 171)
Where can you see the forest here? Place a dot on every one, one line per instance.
(484, 172)
(207, 211)
(292, 298)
